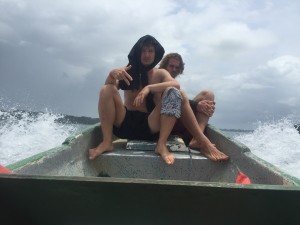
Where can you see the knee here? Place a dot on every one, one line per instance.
(205, 95)
(108, 89)
(173, 93)
(209, 95)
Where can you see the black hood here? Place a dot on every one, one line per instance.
(138, 70)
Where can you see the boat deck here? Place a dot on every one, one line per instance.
(70, 159)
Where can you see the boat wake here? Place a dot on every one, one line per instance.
(277, 142)
(24, 133)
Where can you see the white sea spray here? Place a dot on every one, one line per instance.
(23, 134)
(277, 142)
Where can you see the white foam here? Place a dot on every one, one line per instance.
(23, 135)
(277, 142)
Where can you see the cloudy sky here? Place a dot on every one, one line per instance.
(55, 55)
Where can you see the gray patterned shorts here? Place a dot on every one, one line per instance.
(171, 103)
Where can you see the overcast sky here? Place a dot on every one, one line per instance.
(55, 55)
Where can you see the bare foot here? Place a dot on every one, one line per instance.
(102, 147)
(194, 145)
(214, 154)
(163, 151)
(210, 151)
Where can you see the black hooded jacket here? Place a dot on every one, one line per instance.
(138, 71)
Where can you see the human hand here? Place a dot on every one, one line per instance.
(139, 99)
(121, 74)
(207, 107)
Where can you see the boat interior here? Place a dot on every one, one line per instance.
(137, 159)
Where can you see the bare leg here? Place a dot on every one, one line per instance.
(201, 117)
(206, 147)
(167, 124)
(164, 124)
(112, 111)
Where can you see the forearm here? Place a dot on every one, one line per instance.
(160, 87)
(111, 80)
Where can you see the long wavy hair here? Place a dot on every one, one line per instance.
(164, 62)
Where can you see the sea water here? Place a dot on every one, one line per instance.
(23, 134)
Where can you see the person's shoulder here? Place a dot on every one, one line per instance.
(160, 71)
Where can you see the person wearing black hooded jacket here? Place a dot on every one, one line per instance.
(140, 116)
